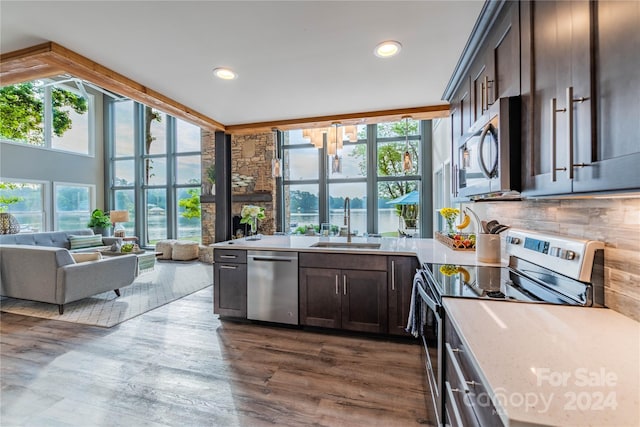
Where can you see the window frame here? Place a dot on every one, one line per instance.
(47, 118)
(372, 178)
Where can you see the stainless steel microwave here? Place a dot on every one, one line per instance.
(487, 159)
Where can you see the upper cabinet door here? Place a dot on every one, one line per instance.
(556, 93)
(611, 162)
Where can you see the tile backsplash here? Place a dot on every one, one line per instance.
(615, 221)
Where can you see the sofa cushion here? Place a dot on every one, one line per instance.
(79, 242)
(86, 256)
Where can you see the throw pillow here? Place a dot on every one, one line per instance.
(79, 242)
(86, 256)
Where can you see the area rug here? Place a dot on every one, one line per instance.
(168, 282)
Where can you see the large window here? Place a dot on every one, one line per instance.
(72, 205)
(384, 195)
(155, 168)
(56, 113)
(26, 202)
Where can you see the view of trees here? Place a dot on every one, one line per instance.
(390, 157)
(22, 110)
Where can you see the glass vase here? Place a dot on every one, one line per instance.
(450, 230)
(253, 226)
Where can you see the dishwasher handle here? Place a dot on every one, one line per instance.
(271, 259)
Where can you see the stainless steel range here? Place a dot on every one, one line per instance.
(543, 268)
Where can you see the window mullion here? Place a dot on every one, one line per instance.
(372, 185)
(48, 117)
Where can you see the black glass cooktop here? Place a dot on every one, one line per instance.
(501, 283)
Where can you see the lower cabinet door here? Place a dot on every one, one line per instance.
(230, 290)
(401, 271)
(364, 300)
(320, 295)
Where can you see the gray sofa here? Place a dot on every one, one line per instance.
(59, 239)
(40, 267)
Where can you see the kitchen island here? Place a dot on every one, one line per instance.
(364, 285)
(426, 250)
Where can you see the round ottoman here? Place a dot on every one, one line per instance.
(184, 251)
(166, 247)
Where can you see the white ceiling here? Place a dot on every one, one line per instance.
(295, 59)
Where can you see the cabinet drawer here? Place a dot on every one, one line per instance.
(461, 373)
(235, 256)
(343, 261)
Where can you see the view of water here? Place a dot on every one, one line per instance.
(388, 221)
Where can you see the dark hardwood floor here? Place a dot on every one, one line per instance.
(179, 365)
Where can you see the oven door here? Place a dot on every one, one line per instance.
(431, 340)
(478, 160)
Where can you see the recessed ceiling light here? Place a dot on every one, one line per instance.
(224, 73)
(387, 49)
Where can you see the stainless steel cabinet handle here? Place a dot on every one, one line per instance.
(456, 367)
(228, 256)
(454, 404)
(337, 291)
(393, 275)
(570, 101)
(344, 284)
(228, 267)
(552, 127)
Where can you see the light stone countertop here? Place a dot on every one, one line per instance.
(427, 250)
(553, 365)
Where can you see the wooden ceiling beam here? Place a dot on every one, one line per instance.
(49, 59)
(369, 117)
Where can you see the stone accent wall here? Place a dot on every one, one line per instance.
(207, 210)
(251, 157)
(615, 221)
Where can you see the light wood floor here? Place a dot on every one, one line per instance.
(179, 365)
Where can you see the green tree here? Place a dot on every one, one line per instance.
(6, 198)
(191, 204)
(390, 155)
(150, 116)
(304, 201)
(22, 109)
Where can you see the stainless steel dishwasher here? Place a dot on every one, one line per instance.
(272, 286)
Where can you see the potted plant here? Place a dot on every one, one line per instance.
(211, 177)
(100, 223)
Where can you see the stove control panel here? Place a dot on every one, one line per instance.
(569, 256)
(562, 253)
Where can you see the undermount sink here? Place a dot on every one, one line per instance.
(355, 245)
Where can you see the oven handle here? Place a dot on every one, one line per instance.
(428, 300)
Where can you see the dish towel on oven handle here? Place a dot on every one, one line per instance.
(417, 312)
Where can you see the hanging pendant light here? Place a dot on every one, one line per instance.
(336, 163)
(407, 163)
(276, 164)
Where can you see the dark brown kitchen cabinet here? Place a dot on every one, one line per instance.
(352, 297)
(495, 71)
(464, 394)
(401, 270)
(230, 283)
(556, 89)
(614, 155)
(581, 105)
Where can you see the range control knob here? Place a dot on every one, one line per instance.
(513, 240)
(562, 253)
